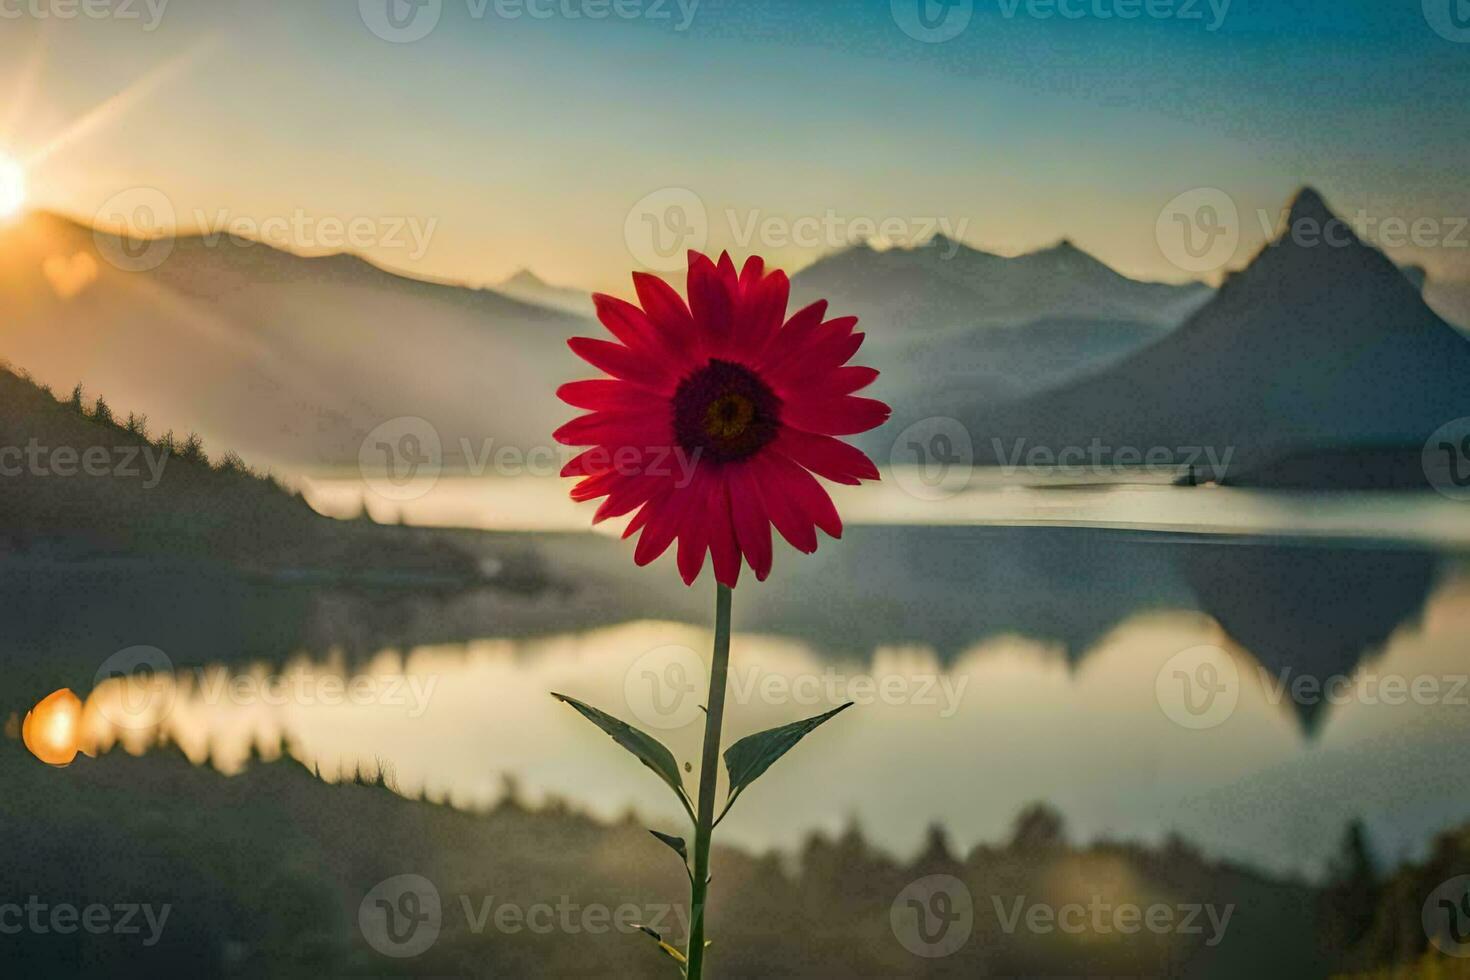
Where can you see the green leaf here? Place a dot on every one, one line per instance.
(673, 953)
(649, 750)
(677, 843)
(748, 758)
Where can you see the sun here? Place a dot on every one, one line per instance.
(12, 187)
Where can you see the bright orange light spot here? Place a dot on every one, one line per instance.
(52, 729)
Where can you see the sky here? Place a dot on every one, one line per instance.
(585, 138)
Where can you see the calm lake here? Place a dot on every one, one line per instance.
(1248, 669)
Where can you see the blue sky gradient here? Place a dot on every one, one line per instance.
(528, 139)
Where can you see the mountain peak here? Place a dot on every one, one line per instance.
(1308, 205)
(525, 277)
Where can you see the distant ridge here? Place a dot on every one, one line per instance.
(292, 360)
(945, 284)
(1313, 344)
(528, 287)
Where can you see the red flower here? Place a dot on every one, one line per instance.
(716, 415)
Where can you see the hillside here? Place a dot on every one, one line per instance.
(267, 872)
(290, 360)
(77, 480)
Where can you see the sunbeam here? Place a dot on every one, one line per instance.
(24, 88)
(118, 105)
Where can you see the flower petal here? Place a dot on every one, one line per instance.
(788, 519)
(664, 521)
(620, 362)
(616, 429)
(795, 334)
(603, 394)
(829, 458)
(752, 526)
(762, 308)
(711, 303)
(807, 495)
(817, 359)
(667, 311)
(694, 532)
(841, 416)
(723, 549)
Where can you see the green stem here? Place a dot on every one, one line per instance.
(709, 773)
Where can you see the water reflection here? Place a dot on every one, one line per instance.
(964, 738)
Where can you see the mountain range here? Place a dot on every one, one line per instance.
(528, 287)
(292, 360)
(1312, 344)
(286, 359)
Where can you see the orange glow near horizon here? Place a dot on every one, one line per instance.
(52, 729)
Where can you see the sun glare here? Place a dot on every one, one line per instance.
(12, 187)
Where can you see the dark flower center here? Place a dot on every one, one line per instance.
(725, 412)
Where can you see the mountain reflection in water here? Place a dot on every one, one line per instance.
(993, 667)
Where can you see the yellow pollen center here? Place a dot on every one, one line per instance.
(728, 416)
